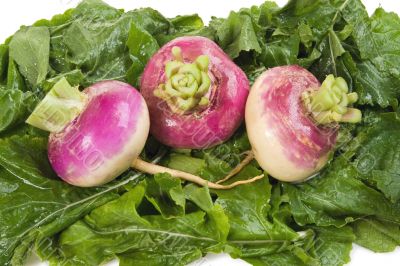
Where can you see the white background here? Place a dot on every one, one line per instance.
(14, 13)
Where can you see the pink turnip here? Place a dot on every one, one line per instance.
(195, 93)
(99, 133)
(292, 120)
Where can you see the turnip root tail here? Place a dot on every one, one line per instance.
(151, 168)
(249, 157)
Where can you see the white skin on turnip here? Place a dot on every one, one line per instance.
(97, 134)
(292, 121)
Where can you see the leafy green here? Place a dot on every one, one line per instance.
(333, 245)
(164, 221)
(237, 33)
(187, 23)
(253, 233)
(325, 246)
(15, 81)
(218, 219)
(116, 229)
(319, 16)
(296, 253)
(166, 194)
(151, 20)
(36, 203)
(15, 107)
(141, 46)
(379, 236)
(376, 153)
(336, 197)
(29, 47)
(376, 37)
(377, 41)
(200, 196)
(186, 163)
(181, 257)
(296, 31)
(281, 51)
(74, 78)
(247, 207)
(3, 61)
(98, 48)
(388, 183)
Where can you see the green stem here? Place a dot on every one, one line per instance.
(187, 84)
(58, 108)
(330, 103)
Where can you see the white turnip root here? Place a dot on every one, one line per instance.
(292, 120)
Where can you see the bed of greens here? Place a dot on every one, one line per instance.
(144, 219)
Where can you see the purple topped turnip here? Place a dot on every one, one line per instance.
(98, 133)
(195, 93)
(292, 120)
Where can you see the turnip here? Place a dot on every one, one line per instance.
(99, 133)
(195, 93)
(292, 120)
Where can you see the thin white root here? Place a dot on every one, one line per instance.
(151, 168)
(249, 157)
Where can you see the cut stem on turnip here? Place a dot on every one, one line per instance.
(329, 103)
(186, 84)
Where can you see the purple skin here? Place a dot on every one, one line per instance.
(204, 127)
(286, 141)
(104, 139)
